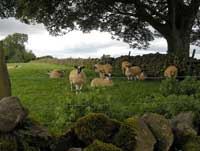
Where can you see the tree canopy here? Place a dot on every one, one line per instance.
(14, 48)
(7, 8)
(178, 21)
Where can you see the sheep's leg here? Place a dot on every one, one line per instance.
(71, 86)
(77, 88)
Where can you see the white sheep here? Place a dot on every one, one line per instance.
(125, 64)
(171, 71)
(133, 71)
(100, 82)
(77, 78)
(103, 69)
(56, 73)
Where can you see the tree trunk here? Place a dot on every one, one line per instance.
(179, 44)
(5, 85)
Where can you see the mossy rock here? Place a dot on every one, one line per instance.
(32, 136)
(8, 142)
(134, 135)
(186, 123)
(161, 129)
(67, 141)
(189, 142)
(96, 126)
(100, 146)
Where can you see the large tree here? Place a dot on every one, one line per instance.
(7, 9)
(178, 21)
(14, 47)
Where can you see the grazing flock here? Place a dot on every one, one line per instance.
(77, 77)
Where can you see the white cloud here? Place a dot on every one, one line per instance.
(74, 44)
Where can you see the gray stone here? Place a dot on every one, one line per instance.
(11, 113)
(161, 129)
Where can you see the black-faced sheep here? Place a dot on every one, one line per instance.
(77, 78)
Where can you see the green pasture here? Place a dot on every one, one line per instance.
(51, 102)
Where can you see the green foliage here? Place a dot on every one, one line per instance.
(8, 142)
(96, 126)
(14, 46)
(169, 86)
(100, 146)
(189, 86)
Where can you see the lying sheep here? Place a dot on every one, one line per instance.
(133, 71)
(77, 78)
(171, 71)
(56, 73)
(103, 69)
(125, 64)
(99, 82)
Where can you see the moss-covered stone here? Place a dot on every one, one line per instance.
(186, 123)
(8, 142)
(161, 129)
(134, 135)
(192, 144)
(67, 141)
(100, 146)
(188, 142)
(96, 126)
(32, 136)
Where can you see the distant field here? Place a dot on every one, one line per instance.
(51, 102)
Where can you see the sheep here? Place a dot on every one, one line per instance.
(171, 71)
(77, 78)
(103, 69)
(124, 65)
(141, 76)
(56, 73)
(99, 82)
(133, 71)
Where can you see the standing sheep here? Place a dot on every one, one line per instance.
(133, 71)
(125, 64)
(99, 82)
(103, 69)
(171, 71)
(77, 78)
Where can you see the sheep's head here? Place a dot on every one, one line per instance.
(79, 68)
(108, 76)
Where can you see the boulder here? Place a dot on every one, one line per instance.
(161, 129)
(68, 141)
(134, 135)
(31, 135)
(100, 146)
(186, 123)
(11, 113)
(96, 126)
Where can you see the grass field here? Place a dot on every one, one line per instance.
(51, 102)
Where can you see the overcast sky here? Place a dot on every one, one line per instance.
(75, 44)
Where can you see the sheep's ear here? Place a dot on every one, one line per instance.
(82, 67)
(76, 67)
